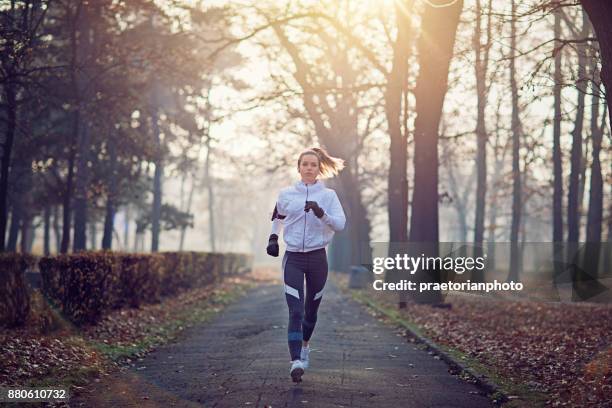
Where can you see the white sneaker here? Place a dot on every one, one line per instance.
(304, 356)
(297, 370)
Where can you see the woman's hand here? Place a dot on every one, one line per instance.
(312, 205)
(272, 248)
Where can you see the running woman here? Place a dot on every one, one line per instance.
(309, 214)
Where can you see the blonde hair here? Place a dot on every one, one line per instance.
(328, 166)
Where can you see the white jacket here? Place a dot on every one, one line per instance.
(303, 231)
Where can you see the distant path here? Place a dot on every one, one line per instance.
(240, 359)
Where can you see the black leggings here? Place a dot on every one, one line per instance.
(303, 317)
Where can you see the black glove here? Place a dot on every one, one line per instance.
(272, 248)
(315, 208)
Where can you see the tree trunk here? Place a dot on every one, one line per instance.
(157, 177)
(47, 230)
(92, 235)
(573, 214)
(398, 148)
(126, 228)
(397, 188)
(80, 191)
(83, 93)
(56, 229)
(557, 156)
(582, 180)
(16, 216)
(600, 14)
(67, 204)
(497, 169)
(358, 231)
(435, 47)
(157, 203)
(136, 236)
(342, 123)
(516, 145)
(109, 218)
(459, 198)
(187, 209)
(481, 67)
(7, 147)
(68, 193)
(211, 201)
(595, 212)
(182, 206)
(109, 221)
(31, 236)
(26, 222)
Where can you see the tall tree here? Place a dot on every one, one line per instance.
(595, 211)
(398, 148)
(85, 37)
(557, 155)
(481, 66)
(159, 169)
(210, 193)
(112, 194)
(573, 196)
(435, 50)
(515, 263)
(557, 204)
(21, 23)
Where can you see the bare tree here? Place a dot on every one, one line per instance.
(573, 202)
(397, 189)
(481, 67)
(516, 145)
(435, 50)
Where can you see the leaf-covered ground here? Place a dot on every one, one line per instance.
(73, 357)
(563, 350)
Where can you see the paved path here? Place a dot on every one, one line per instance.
(240, 359)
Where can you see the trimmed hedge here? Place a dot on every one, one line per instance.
(14, 291)
(82, 285)
(141, 279)
(87, 284)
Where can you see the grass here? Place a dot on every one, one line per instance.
(514, 394)
(170, 330)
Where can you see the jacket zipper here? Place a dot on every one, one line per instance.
(305, 213)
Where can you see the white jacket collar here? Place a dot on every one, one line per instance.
(318, 185)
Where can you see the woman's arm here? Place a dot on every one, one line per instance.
(277, 221)
(277, 225)
(334, 216)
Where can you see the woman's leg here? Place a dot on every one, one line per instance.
(316, 276)
(293, 274)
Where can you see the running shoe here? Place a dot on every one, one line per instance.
(297, 370)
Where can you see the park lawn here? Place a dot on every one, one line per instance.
(538, 353)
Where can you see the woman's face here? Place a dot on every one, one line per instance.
(309, 168)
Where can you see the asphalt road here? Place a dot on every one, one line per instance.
(240, 359)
